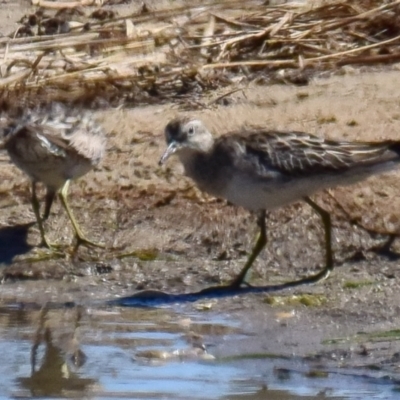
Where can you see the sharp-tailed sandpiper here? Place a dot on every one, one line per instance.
(53, 145)
(262, 170)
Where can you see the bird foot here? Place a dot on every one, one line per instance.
(46, 253)
(50, 246)
(82, 241)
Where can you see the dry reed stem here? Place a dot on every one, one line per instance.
(184, 52)
(61, 5)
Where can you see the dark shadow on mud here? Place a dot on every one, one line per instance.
(13, 242)
(386, 249)
(156, 298)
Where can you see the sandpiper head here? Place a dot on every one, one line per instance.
(184, 134)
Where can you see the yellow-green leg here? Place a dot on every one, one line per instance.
(262, 240)
(36, 209)
(78, 233)
(326, 220)
(260, 244)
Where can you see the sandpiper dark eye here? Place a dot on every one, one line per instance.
(191, 130)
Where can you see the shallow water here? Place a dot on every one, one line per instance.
(153, 354)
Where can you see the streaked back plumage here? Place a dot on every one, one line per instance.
(54, 143)
(296, 154)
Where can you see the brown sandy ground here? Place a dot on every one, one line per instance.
(162, 233)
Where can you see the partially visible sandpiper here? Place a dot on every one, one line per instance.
(262, 170)
(53, 145)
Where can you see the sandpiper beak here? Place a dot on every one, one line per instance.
(171, 149)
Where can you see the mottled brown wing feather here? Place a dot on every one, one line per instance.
(12, 127)
(52, 134)
(298, 153)
(79, 135)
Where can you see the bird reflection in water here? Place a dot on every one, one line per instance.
(53, 375)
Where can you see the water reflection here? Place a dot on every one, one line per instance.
(52, 376)
(149, 354)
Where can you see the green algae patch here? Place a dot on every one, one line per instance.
(327, 119)
(314, 373)
(336, 340)
(302, 95)
(393, 334)
(147, 254)
(373, 367)
(204, 306)
(384, 336)
(308, 300)
(142, 254)
(357, 284)
(352, 122)
(255, 356)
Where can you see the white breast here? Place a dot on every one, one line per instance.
(243, 190)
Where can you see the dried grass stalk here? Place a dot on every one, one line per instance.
(179, 53)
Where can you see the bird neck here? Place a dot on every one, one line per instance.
(195, 163)
(189, 156)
